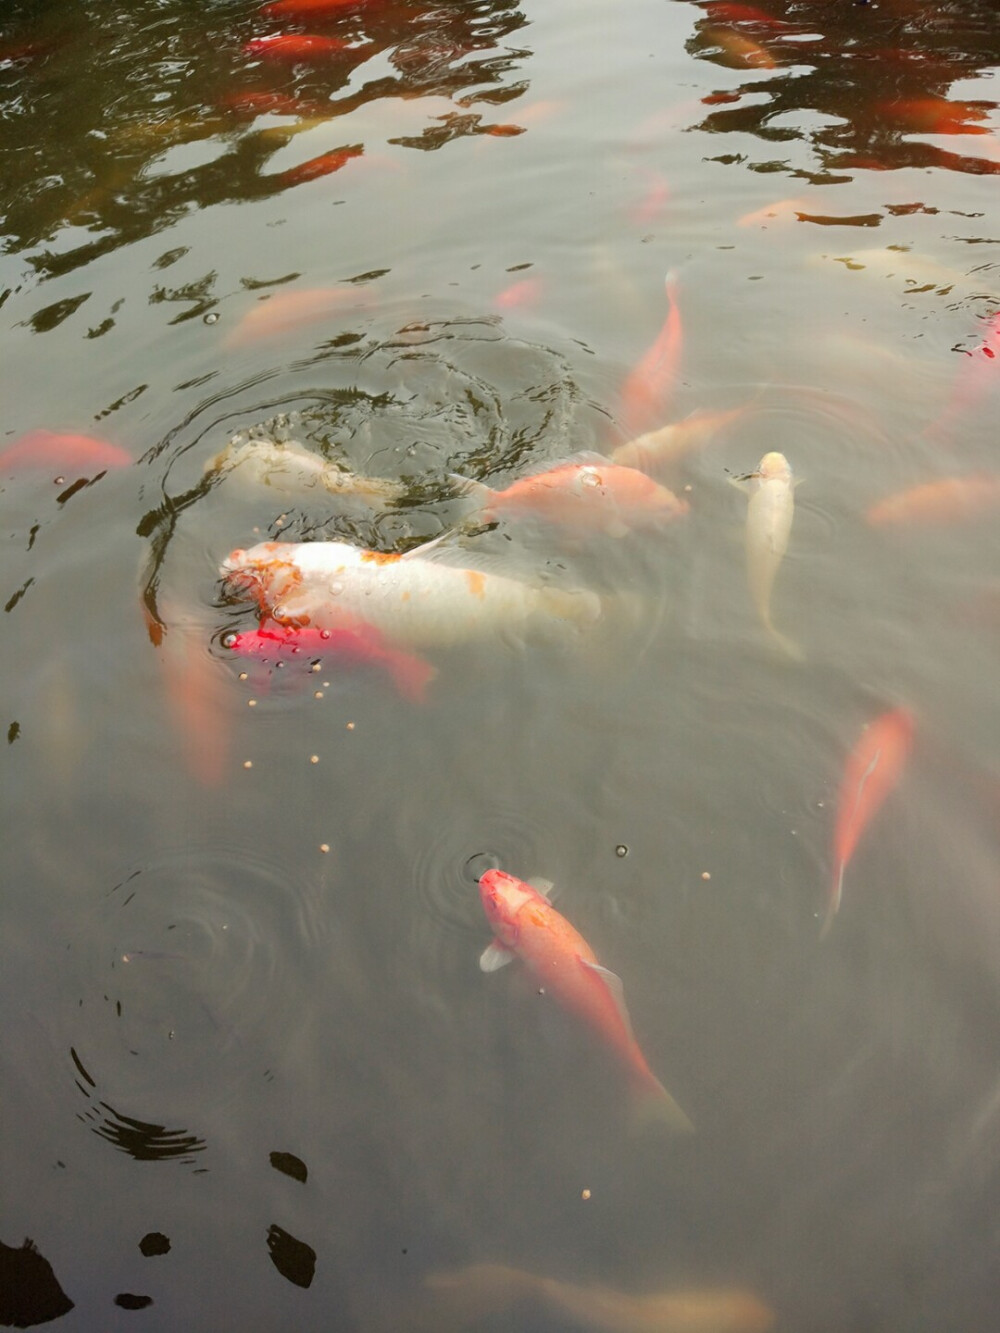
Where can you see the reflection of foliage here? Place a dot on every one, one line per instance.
(850, 66)
(171, 125)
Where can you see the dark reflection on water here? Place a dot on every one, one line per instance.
(877, 76)
(172, 124)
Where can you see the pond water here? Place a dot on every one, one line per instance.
(253, 1074)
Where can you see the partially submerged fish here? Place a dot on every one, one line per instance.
(470, 1294)
(292, 467)
(943, 501)
(769, 521)
(361, 645)
(595, 496)
(66, 453)
(871, 772)
(281, 311)
(527, 926)
(411, 599)
(645, 389)
(656, 447)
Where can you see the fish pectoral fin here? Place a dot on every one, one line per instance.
(495, 956)
(542, 886)
(742, 483)
(476, 490)
(613, 983)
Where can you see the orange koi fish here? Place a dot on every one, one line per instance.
(943, 501)
(872, 770)
(520, 295)
(980, 369)
(739, 52)
(276, 314)
(324, 165)
(654, 201)
(935, 115)
(300, 46)
(362, 645)
(595, 496)
(66, 454)
(526, 925)
(195, 687)
(645, 389)
(726, 13)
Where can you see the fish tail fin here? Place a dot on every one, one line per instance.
(833, 906)
(654, 1108)
(787, 645)
(411, 675)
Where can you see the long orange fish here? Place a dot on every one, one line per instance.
(324, 165)
(644, 391)
(941, 501)
(68, 454)
(525, 924)
(872, 770)
(979, 370)
(592, 496)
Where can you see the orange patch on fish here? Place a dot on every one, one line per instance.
(476, 582)
(944, 501)
(380, 557)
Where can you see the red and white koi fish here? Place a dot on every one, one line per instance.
(769, 521)
(277, 314)
(302, 46)
(521, 295)
(593, 496)
(644, 391)
(525, 924)
(69, 455)
(944, 501)
(362, 645)
(650, 451)
(414, 601)
(323, 165)
(872, 770)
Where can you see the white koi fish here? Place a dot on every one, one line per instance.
(291, 467)
(769, 521)
(412, 600)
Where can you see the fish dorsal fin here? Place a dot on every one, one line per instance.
(495, 956)
(615, 989)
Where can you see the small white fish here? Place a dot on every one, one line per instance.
(292, 467)
(412, 600)
(769, 520)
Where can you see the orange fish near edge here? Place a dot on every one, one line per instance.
(871, 772)
(943, 501)
(644, 391)
(525, 924)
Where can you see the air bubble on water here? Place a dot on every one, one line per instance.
(324, 634)
(229, 640)
(621, 850)
(336, 589)
(478, 864)
(212, 317)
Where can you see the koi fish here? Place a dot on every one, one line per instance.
(362, 645)
(654, 201)
(592, 496)
(769, 521)
(645, 388)
(525, 924)
(300, 46)
(648, 452)
(519, 295)
(196, 696)
(782, 210)
(981, 367)
(291, 467)
(276, 314)
(739, 52)
(726, 13)
(412, 600)
(943, 501)
(871, 772)
(324, 165)
(935, 115)
(67, 454)
(468, 1295)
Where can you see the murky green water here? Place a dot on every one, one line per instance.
(241, 929)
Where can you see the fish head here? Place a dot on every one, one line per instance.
(502, 897)
(262, 572)
(774, 467)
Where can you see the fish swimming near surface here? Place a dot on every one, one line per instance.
(70, 455)
(413, 600)
(360, 645)
(463, 1297)
(279, 313)
(656, 448)
(591, 495)
(871, 772)
(292, 467)
(769, 521)
(323, 165)
(527, 926)
(644, 392)
(947, 500)
(302, 46)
